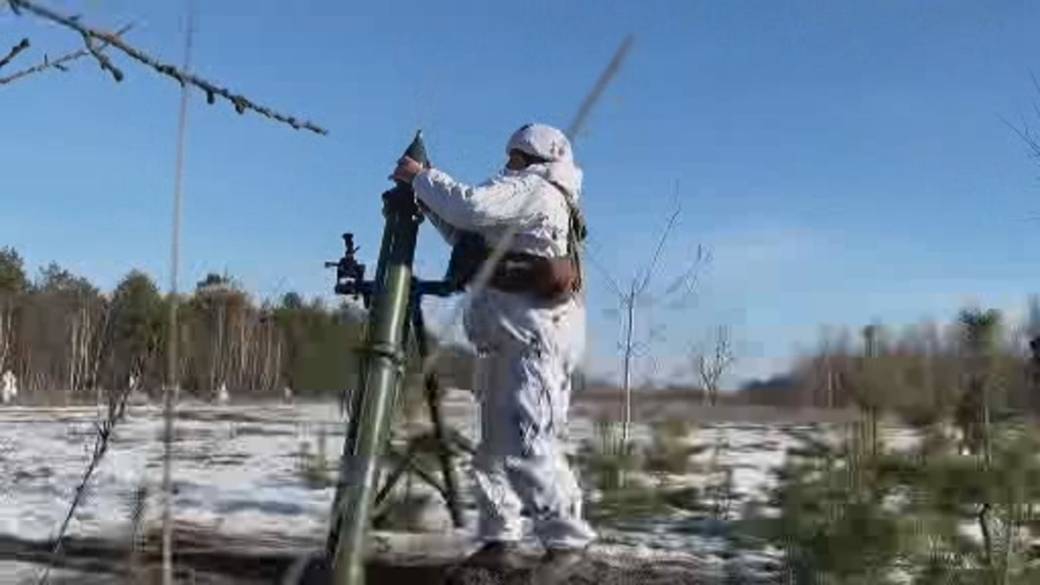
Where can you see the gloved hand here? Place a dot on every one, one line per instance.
(406, 170)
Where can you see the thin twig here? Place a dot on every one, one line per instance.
(23, 45)
(240, 102)
(688, 279)
(711, 368)
(103, 435)
(1025, 134)
(60, 62)
(657, 251)
(103, 60)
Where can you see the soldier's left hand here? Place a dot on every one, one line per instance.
(406, 170)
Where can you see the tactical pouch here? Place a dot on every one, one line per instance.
(545, 278)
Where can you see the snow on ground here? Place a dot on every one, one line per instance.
(235, 468)
(237, 471)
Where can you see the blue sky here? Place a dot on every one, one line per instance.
(845, 162)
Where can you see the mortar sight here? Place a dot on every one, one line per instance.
(350, 274)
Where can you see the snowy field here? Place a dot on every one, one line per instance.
(239, 471)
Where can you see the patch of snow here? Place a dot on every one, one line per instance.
(249, 469)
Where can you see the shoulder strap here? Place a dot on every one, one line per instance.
(578, 228)
(576, 233)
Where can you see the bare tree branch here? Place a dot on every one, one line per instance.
(637, 296)
(657, 251)
(23, 45)
(687, 281)
(60, 62)
(103, 435)
(711, 366)
(1024, 131)
(103, 60)
(1026, 134)
(240, 102)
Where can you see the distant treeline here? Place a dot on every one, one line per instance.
(58, 331)
(922, 371)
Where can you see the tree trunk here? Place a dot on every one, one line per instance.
(630, 303)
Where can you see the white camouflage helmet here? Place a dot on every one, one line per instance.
(541, 141)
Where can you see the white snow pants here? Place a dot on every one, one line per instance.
(527, 354)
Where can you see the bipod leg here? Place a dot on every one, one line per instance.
(431, 385)
(392, 479)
